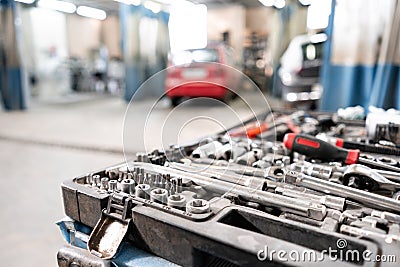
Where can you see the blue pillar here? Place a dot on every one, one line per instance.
(130, 19)
(137, 66)
(12, 81)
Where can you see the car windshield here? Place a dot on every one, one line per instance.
(197, 55)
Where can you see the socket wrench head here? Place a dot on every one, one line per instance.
(112, 185)
(142, 191)
(316, 211)
(276, 173)
(337, 203)
(159, 195)
(89, 179)
(128, 186)
(198, 206)
(96, 180)
(176, 201)
(104, 183)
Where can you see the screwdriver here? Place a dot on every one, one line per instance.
(315, 148)
(339, 142)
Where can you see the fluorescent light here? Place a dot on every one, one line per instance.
(91, 12)
(187, 27)
(267, 3)
(318, 15)
(176, 2)
(25, 1)
(305, 2)
(57, 5)
(280, 4)
(154, 7)
(166, 2)
(129, 2)
(173, 2)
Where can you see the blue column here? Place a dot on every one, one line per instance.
(12, 79)
(137, 68)
(129, 19)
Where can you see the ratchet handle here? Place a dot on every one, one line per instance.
(315, 148)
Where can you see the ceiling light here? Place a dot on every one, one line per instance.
(305, 2)
(91, 12)
(166, 2)
(129, 2)
(267, 2)
(173, 2)
(25, 1)
(154, 7)
(57, 5)
(280, 4)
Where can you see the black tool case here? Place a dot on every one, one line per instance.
(195, 207)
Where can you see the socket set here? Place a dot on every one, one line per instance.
(294, 189)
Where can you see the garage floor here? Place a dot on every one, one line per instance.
(49, 143)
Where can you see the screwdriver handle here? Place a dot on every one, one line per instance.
(315, 148)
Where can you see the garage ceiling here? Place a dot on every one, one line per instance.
(212, 3)
(111, 6)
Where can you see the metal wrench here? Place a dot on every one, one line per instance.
(363, 177)
(296, 206)
(369, 199)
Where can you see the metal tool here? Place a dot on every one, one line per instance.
(176, 201)
(159, 195)
(142, 191)
(369, 199)
(198, 206)
(300, 207)
(337, 203)
(104, 183)
(250, 157)
(365, 178)
(128, 186)
(112, 185)
(96, 179)
(208, 150)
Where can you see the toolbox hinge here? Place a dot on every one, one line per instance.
(112, 227)
(119, 206)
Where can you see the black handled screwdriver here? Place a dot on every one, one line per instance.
(315, 148)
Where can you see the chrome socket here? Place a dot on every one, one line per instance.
(159, 195)
(128, 186)
(142, 191)
(176, 201)
(198, 206)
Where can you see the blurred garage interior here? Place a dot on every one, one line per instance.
(75, 76)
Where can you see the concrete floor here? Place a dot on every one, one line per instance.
(49, 143)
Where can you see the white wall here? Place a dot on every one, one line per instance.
(49, 38)
(230, 19)
(259, 20)
(47, 48)
(111, 35)
(83, 35)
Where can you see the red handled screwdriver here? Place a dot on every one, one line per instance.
(315, 148)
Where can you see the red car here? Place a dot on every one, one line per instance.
(196, 73)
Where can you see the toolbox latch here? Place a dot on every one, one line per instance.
(112, 227)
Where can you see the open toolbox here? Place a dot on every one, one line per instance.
(282, 191)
